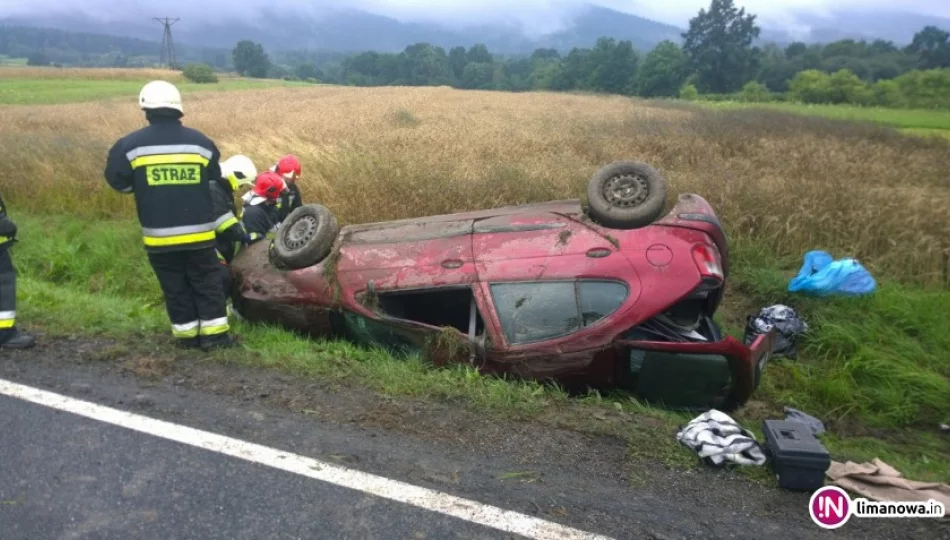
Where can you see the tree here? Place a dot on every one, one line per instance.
(479, 54)
(478, 75)
(663, 71)
(932, 45)
(689, 92)
(810, 86)
(925, 89)
(575, 71)
(775, 68)
(458, 59)
(544, 54)
(250, 60)
(426, 65)
(846, 87)
(754, 92)
(200, 73)
(308, 71)
(614, 66)
(38, 58)
(545, 74)
(719, 46)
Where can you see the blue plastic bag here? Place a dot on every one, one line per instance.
(821, 275)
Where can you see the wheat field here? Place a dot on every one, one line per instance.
(93, 74)
(369, 154)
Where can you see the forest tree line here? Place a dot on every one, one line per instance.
(717, 59)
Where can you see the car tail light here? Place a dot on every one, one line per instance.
(707, 260)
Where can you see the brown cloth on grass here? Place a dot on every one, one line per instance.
(878, 481)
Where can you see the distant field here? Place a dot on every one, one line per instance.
(913, 121)
(7, 61)
(45, 86)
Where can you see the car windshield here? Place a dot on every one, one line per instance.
(537, 311)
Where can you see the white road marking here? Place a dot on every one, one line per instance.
(427, 499)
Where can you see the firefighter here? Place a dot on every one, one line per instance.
(288, 167)
(236, 172)
(260, 209)
(168, 168)
(10, 336)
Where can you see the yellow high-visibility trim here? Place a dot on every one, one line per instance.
(214, 330)
(229, 223)
(6, 324)
(185, 334)
(169, 159)
(4, 239)
(154, 241)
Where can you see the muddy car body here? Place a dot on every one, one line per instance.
(538, 291)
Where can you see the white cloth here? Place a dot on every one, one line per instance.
(718, 439)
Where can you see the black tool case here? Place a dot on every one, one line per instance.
(797, 458)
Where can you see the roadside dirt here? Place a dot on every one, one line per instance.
(555, 443)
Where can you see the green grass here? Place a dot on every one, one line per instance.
(925, 132)
(899, 118)
(54, 91)
(875, 369)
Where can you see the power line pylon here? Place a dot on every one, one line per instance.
(167, 56)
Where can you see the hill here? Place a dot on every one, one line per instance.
(352, 30)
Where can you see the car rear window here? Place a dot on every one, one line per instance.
(537, 311)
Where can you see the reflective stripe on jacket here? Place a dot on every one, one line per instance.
(168, 168)
(229, 231)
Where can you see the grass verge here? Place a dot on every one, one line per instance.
(69, 90)
(874, 369)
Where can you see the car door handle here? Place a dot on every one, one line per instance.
(452, 263)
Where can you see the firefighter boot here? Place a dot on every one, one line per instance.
(15, 339)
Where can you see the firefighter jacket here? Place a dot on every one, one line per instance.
(168, 168)
(289, 201)
(229, 232)
(260, 220)
(8, 228)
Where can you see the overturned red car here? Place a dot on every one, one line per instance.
(616, 296)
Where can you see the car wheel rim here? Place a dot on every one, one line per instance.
(626, 190)
(301, 232)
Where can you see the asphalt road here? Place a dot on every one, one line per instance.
(66, 476)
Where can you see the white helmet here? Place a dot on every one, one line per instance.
(239, 170)
(160, 95)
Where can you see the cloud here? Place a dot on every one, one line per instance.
(535, 16)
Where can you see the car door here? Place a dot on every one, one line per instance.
(408, 285)
(404, 256)
(539, 273)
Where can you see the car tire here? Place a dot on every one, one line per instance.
(306, 237)
(626, 195)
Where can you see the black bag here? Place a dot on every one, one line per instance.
(787, 324)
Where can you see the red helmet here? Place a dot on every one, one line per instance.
(288, 166)
(268, 185)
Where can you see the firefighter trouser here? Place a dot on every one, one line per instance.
(7, 295)
(194, 297)
(225, 271)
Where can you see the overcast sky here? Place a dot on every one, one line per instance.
(538, 15)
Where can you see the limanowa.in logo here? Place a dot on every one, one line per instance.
(831, 507)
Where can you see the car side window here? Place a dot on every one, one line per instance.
(599, 299)
(538, 311)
